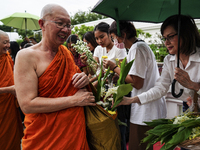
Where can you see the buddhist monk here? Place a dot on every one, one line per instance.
(50, 88)
(11, 129)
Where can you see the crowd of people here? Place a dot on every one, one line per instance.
(48, 82)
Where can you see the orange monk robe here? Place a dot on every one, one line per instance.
(61, 130)
(11, 129)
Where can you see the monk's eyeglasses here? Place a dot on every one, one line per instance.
(169, 38)
(61, 25)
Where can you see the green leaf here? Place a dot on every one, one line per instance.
(124, 71)
(180, 129)
(150, 144)
(105, 75)
(98, 95)
(180, 136)
(157, 122)
(158, 130)
(122, 90)
(121, 123)
(191, 123)
(168, 147)
(167, 136)
(148, 138)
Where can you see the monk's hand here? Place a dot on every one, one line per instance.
(107, 63)
(80, 80)
(183, 78)
(85, 98)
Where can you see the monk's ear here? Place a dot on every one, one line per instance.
(41, 23)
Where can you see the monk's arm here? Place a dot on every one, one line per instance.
(8, 89)
(26, 85)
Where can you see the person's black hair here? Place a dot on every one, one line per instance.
(72, 39)
(14, 47)
(28, 45)
(188, 32)
(103, 27)
(33, 39)
(89, 36)
(23, 43)
(125, 27)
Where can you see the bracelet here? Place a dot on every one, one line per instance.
(115, 68)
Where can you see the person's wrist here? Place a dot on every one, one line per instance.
(114, 67)
(196, 87)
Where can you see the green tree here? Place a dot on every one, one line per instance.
(143, 34)
(158, 48)
(82, 17)
(24, 33)
(82, 30)
(5, 28)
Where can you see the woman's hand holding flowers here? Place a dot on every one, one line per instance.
(84, 58)
(107, 63)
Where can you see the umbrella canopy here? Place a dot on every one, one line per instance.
(154, 11)
(22, 21)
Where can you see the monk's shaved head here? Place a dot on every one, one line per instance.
(2, 33)
(48, 10)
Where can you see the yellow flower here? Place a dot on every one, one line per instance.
(111, 112)
(116, 59)
(104, 57)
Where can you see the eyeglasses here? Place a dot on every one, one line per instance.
(169, 38)
(61, 25)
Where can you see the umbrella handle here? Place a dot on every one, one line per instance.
(173, 90)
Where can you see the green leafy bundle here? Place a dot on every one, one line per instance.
(122, 88)
(171, 132)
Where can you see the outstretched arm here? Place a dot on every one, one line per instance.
(136, 81)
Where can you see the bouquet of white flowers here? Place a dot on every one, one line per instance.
(81, 47)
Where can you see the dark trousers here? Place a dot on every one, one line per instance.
(184, 149)
(123, 136)
(137, 133)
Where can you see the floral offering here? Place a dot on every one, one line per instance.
(81, 47)
(111, 96)
(174, 131)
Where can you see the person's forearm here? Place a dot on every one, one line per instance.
(195, 86)
(9, 89)
(93, 79)
(47, 105)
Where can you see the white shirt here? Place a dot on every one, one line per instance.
(163, 84)
(112, 54)
(145, 67)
